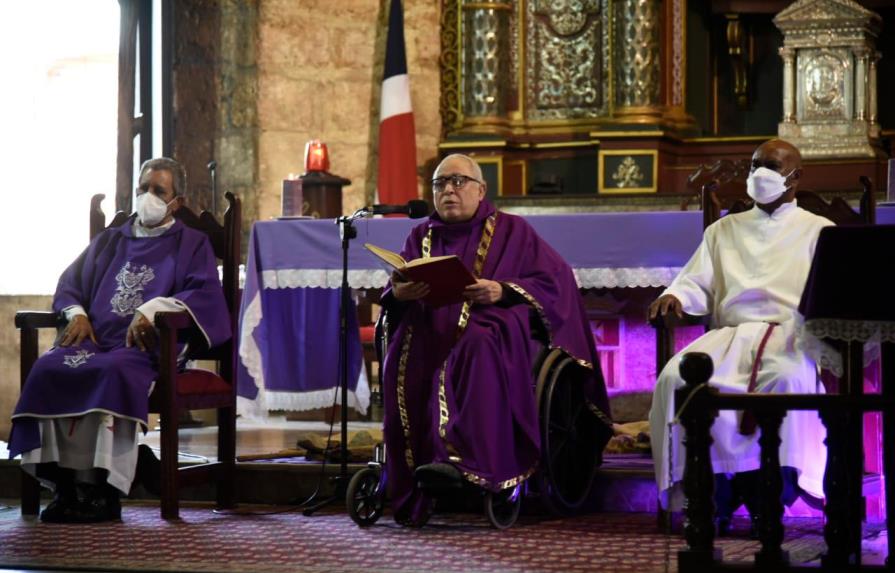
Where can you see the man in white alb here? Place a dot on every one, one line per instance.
(748, 273)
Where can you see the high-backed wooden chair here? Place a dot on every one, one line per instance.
(175, 390)
(721, 196)
(727, 175)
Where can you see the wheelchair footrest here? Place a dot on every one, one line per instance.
(438, 477)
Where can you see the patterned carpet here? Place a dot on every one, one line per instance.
(205, 541)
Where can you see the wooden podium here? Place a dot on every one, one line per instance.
(316, 194)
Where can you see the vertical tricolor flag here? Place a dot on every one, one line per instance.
(397, 136)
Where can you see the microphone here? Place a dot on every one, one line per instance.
(415, 208)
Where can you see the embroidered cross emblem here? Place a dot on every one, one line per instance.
(129, 293)
(79, 358)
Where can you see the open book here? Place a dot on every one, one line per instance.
(446, 276)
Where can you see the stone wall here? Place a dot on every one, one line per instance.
(319, 71)
(254, 80)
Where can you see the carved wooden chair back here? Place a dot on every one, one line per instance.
(729, 175)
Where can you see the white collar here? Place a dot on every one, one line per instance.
(781, 211)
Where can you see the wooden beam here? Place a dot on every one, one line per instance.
(127, 62)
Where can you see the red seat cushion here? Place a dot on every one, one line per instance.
(197, 381)
(367, 334)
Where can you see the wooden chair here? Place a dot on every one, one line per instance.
(720, 196)
(175, 391)
(729, 177)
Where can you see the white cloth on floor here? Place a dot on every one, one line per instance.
(749, 271)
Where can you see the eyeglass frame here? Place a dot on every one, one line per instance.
(445, 179)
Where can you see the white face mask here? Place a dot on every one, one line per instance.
(765, 185)
(150, 209)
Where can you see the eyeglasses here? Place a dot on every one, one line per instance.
(458, 182)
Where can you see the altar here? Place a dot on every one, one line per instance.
(288, 328)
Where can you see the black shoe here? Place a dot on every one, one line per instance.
(149, 470)
(57, 510)
(97, 503)
(64, 499)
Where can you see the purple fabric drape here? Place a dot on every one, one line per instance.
(485, 421)
(852, 275)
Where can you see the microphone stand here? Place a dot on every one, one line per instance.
(347, 231)
(212, 170)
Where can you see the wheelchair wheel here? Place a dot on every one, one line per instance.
(364, 498)
(568, 435)
(502, 507)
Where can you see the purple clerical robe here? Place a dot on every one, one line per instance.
(116, 274)
(469, 400)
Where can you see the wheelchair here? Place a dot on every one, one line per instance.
(569, 450)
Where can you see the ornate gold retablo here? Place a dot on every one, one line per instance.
(829, 78)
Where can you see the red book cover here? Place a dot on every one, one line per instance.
(446, 276)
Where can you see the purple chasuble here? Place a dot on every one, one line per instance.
(485, 421)
(116, 274)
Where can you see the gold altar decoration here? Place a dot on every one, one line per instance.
(829, 78)
(627, 174)
(628, 171)
(531, 68)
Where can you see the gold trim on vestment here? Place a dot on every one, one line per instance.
(402, 399)
(586, 364)
(427, 245)
(443, 414)
(480, 254)
(512, 482)
(540, 309)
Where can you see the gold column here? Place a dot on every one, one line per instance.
(486, 62)
(649, 39)
(871, 81)
(861, 58)
(637, 62)
(789, 84)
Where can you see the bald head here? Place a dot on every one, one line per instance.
(458, 188)
(777, 155)
(473, 165)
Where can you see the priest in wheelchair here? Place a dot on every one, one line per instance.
(748, 274)
(76, 422)
(461, 401)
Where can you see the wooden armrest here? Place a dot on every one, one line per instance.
(671, 320)
(173, 320)
(37, 319)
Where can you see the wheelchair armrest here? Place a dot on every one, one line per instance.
(671, 320)
(32, 319)
(174, 320)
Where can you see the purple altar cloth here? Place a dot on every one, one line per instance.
(289, 341)
(594, 240)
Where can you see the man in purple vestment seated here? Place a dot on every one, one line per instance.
(457, 379)
(76, 422)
